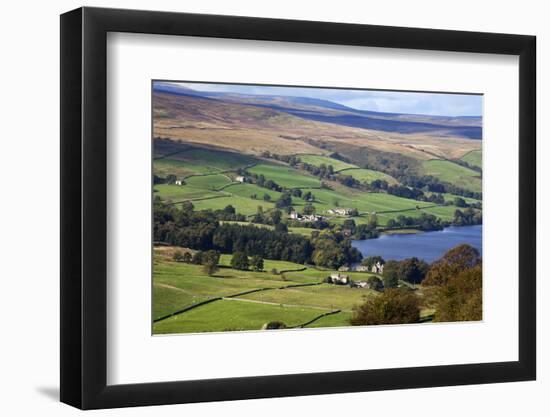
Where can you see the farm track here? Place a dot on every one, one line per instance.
(246, 300)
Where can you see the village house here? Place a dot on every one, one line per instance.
(362, 268)
(377, 268)
(340, 211)
(343, 269)
(304, 217)
(178, 182)
(239, 178)
(339, 279)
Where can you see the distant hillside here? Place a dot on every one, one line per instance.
(330, 112)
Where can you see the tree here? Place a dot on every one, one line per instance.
(197, 258)
(460, 299)
(276, 216)
(391, 274)
(229, 209)
(460, 202)
(187, 257)
(177, 256)
(412, 270)
(210, 260)
(393, 306)
(187, 206)
(239, 261)
(284, 200)
(391, 224)
(257, 263)
(267, 197)
(373, 220)
(309, 208)
(453, 262)
(349, 224)
(375, 283)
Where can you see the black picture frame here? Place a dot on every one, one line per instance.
(84, 207)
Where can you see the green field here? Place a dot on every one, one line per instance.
(216, 191)
(328, 296)
(179, 285)
(368, 175)
(285, 176)
(453, 173)
(242, 205)
(182, 192)
(317, 160)
(214, 159)
(473, 158)
(225, 315)
(249, 190)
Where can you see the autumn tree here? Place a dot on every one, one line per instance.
(393, 306)
(453, 262)
(460, 299)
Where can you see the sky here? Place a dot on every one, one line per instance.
(381, 101)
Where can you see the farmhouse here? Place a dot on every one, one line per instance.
(305, 217)
(362, 268)
(339, 279)
(377, 268)
(343, 269)
(239, 178)
(178, 182)
(340, 211)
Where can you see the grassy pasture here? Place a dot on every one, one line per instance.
(214, 160)
(182, 192)
(165, 166)
(453, 173)
(225, 260)
(317, 160)
(208, 182)
(166, 300)
(368, 175)
(192, 280)
(473, 158)
(285, 176)
(227, 315)
(326, 296)
(179, 285)
(242, 205)
(247, 190)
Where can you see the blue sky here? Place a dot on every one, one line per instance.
(382, 101)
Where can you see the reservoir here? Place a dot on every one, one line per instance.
(428, 246)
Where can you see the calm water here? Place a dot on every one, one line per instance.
(428, 246)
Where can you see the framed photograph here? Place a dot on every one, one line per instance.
(257, 208)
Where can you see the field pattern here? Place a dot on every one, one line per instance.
(230, 156)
